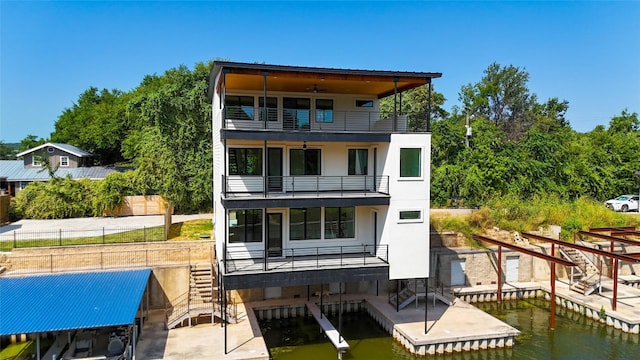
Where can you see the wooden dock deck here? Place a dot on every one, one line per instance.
(334, 336)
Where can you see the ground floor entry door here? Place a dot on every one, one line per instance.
(274, 234)
(512, 268)
(458, 277)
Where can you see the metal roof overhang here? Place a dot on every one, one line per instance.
(70, 301)
(377, 83)
(320, 201)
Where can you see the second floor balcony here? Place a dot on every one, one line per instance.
(239, 186)
(251, 118)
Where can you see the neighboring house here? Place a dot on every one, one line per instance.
(312, 188)
(69, 160)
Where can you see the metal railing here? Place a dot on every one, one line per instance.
(351, 184)
(63, 237)
(184, 305)
(238, 260)
(104, 260)
(248, 118)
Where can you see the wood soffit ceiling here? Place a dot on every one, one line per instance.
(376, 85)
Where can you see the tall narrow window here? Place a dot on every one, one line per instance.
(272, 109)
(245, 161)
(296, 113)
(358, 161)
(324, 110)
(245, 226)
(410, 162)
(239, 107)
(339, 222)
(304, 162)
(64, 161)
(304, 224)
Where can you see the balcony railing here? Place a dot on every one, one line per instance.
(351, 184)
(335, 257)
(249, 118)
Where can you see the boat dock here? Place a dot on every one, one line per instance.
(332, 334)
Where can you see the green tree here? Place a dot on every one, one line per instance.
(96, 123)
(6, 152)
(171, 146)
(29, 142)
(501, 96)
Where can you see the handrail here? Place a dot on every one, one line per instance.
(247, 118)
(347, 184)
(309, 257)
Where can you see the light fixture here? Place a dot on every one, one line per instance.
(304, 145)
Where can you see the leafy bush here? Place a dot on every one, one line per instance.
(109, 192)
(56, 199)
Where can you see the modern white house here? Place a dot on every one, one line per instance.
(314, 186)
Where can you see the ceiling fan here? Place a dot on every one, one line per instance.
(315, 89)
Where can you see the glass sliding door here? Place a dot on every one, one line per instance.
(274, 234)
(274, 169)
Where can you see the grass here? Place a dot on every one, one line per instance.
(512, 214)
(188, 230)
(191, 230)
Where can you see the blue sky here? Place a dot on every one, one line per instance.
(585, 52)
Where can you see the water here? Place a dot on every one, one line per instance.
(575, 337)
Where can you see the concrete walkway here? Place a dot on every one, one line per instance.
(245, 341)
(202, 341)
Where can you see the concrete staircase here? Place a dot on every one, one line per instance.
(413, 288)
(199, 301)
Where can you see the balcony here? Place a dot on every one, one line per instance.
(242, 186)
(250, 118)
(242, 261)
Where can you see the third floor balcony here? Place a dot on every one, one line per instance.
(306, 120)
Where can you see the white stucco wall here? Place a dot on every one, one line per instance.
(408, 240)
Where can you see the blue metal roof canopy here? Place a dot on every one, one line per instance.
(70, 301)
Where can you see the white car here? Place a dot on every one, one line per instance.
(624, 203)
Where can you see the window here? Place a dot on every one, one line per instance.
(324, 110)
(304, 162)
(245, 161)
(50, 150)
(272, 108)
(339, 222)
(406, 216)
(296, 113)
(245, 226)
(239, 107)
(304, 224)
(35, 160)
(358, 159)
(364, 103)
(410, 162)
(64, 161)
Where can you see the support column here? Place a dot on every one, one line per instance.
(321, 311)
(552, 320)
(426, 294)
(340, 313)
(614, 305)
(264, 102)
(499, 268)
(395, 100)
(429, 105)
(224, 319)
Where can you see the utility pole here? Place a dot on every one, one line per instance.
(467, 132)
